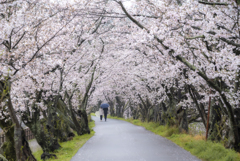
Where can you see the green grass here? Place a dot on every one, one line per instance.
(196, 145)
(69, 148)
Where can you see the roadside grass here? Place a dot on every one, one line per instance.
(69, 148)
(195, 144)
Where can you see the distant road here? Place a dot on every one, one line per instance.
(117, 140)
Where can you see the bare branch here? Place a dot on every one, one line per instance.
(223, 27)
(196, 37)
(34, 55)
(10, 39)
(140, 25)
(6, 1)
(19, 40)
(213, 3)
(98, 25)
(176, 28)
(130, 17)
(229, 42)
(196, 27)
(52, 70)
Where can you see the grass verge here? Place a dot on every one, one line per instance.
(69, 148)
(196, 145)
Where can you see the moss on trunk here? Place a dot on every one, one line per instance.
(83, 121)
(39, 129)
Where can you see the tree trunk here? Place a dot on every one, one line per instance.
(200, 107)
(72, 113)
(84, 128)
(237, 117)
(27, 153)
(111, 104)
(171, 113)
(143, 109)
(215, 122)
(17, 131)
(164, 117)
(47, 142)
(51, 128)
(65, 116)
(182, 120)
(8, 146)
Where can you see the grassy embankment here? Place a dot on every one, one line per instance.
(195, 144)
(69, 148)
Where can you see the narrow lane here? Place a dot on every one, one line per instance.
(117, 140)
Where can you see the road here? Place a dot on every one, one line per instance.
(117, 140)
(34, 146)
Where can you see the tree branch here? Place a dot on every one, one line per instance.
(140, 25)
(19, 40)
(213, 3)
(34, 55)
(196, 37)
(52, 70)
(10, 1)
(229, 42)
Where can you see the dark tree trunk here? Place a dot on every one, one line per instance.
(17, 131)
(65, 119)
(143, 109)
(111, 104)
(22, 150)
(8, 146)
(149, 109)
(9, 149)
(41, 133)
(119, 106)
(134, 111)
(182, 120)
(47, 142)
(157, 114)
(215, 122)
(171, 110)
(73, 116)
(51, 128)
(164, 117)
(200, 107)
(27, 153)
(237, 117)
(84, 128)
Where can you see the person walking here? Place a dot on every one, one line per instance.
(105, 113)
(105, 106)
(101, 113)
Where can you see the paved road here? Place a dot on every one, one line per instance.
(33, 144)
(117, 140)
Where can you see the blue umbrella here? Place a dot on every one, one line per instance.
(104, 105)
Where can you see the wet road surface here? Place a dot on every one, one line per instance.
(34, 146)
(117, 140)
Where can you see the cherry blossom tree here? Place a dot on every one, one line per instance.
(187, 35)
(156, 60)
(41, 46)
